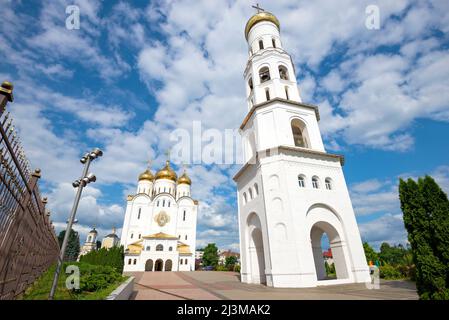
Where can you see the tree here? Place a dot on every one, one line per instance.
(393, 255)
(370, 254)
(210, 255)
(422, 205)
(73, 245)
(230, 262)
(108, 257)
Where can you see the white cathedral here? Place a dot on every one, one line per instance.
(159, 229)
(290, 190)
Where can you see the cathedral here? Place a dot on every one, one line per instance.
(290, 190)
(159, 229)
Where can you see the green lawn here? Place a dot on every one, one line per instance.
(96, 283)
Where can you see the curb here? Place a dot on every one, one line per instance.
(124, 291)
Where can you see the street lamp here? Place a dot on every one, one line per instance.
(85, 179)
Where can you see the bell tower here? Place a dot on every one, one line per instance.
(291, 191)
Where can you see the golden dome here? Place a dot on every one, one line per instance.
(166, 173)
(258, 17)
(184, 179)
(146, 175)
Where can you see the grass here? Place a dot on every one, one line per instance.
(40, 289)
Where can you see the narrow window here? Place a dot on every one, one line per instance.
(185, 237)
(283, 73)
(301, 182)
(298, 130)
(181, 261)
(256, 190)
(267, 94)
(286, 93)
(260, 44)
(244, 198)
(184, 216)
(169, 203)
(163, 203)
(315, 183)
(135, 261)
(273, 42)
(138, 215)
(129, 261)
(132, 235)
(140, 235)
(170, 249)
(250, 194)
(250, 85)
(185, 261)
(148, 248)
(157, 204)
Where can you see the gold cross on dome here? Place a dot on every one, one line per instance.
(167, 153)
(258, 8)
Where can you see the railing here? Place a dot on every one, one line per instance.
(28, 244)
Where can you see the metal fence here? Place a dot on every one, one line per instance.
(28, 244)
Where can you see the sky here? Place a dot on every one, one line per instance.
(137, 71)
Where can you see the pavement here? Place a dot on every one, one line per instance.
(216, 285)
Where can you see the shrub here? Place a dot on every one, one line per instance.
(95, 277)
(112, 257)
(390, 272)
(221, 267)
(237, 268)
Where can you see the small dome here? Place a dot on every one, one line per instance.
(258, 17)
(166, 173)
(184, 179)
(93, 231)
(146, 175)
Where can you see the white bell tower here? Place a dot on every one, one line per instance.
(290, 191)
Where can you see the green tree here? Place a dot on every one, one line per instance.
(422, 204)
(393, 255)
(370, 254)
(230, 262)
(112, 257)
(73, 245)
(210, 256)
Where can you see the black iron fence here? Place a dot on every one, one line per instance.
(28, 244)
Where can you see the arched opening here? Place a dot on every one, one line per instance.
(283, 72)
(250, 85)
(287, 96)
(159, 247)
(260, 44)
(256, 256)
(168, 265)
(301, 181)
(256, 190)
(264, 74)
(330, 263)
(315, 182)
(267, 94)
(250, 194)
(300, 136)
(244, 198)
(159, 265)
(149, 265)
(273, 42)
(328, 183)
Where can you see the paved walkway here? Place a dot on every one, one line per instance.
(215, 285)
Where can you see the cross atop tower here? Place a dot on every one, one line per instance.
(258, 8)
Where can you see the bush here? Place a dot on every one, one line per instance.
(113, 257)
(94, 278)
(390, 273)
(221, 267)
(237, 268)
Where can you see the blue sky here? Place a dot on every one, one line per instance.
(137, 70)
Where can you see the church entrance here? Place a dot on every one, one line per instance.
(168, 265)
(159, 265)
(256, 250)
(149, 265)
(330, 263)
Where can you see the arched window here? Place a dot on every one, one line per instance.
(180, 262)
(299, 133)
(140, 235)
(184, 216)
(157, 204)
(256, 190)
(159, 247)
(250, 84)
(273, 41)
(267, 94)
(264, 74)
(129, 261)
(283, 72)
(260, 44)
(244, 198)
(250, 194)
(138, 215)
(163, 203)
(315, 183)
(169, 203)
(170, 249)
(132, 235)
(328, 183)
(185, 261)
(185, 238)
(286, 93)
(89, 239)
(301, 181)
(135, 261)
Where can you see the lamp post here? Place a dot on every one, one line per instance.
(80, 184)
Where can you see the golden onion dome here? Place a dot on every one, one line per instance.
(146, 175)
(184, 178)
(166, 173)
(259, 17)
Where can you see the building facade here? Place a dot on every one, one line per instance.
(90, 243)
(111, 240)
(290, 190)
(159, 228)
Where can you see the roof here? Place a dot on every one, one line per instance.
(183, 248)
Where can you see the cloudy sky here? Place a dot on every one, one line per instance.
(137, 70)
